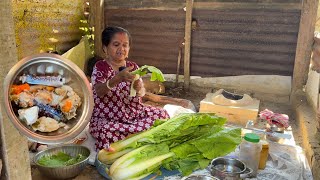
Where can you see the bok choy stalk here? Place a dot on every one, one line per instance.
(178, 126)
(186, 157)
(108, 157)
(173, 131)
(156, 75)
(140, 162)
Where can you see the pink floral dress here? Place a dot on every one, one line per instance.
(116, 114)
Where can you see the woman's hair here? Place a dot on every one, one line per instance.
(90, 64)
(109, 32)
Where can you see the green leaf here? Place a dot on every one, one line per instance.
(156, 74)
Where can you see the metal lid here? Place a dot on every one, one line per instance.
(73, 76)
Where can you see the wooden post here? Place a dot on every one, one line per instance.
(187, 40)
(14, 147)
(178, 67)
(97, 18)
(304, 44)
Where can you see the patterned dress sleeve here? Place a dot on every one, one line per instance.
(101, 73)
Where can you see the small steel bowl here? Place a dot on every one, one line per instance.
(227, 168)
(63, 172)
(200, 177)
(274, 128)
(75, 78)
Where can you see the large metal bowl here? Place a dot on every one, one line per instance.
(74, 77)
(63, 172)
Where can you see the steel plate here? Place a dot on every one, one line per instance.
(75, 78)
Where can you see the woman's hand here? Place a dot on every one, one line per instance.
(125, 75)
(139, 87)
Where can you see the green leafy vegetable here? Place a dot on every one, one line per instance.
(178, 126)
(140, 162)
(60, 159)
(198, 152)
(186, 157)
(186, 142)
(156, 75)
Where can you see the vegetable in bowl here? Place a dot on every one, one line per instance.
(62, 162)
(60, 159)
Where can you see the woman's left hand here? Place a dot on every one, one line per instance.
(139, 87)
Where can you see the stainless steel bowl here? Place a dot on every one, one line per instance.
(274, 128)
(74, 77)
(63, 172)
(227, 168)
(200, 177)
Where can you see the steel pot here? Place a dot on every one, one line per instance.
(229, 169)
(74, 77)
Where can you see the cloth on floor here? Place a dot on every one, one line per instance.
(285, 162)
(174, 110)
(282, 120)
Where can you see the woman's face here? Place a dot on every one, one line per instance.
(118, 48)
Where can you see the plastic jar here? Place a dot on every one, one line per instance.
(264, 154)
(250, 149)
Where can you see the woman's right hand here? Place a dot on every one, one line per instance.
(125, 74)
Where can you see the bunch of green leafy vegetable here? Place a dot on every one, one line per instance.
(186, 142)
(156, 75)
(60, 159)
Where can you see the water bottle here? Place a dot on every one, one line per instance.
(250, 149)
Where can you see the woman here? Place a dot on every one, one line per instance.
(116, 114)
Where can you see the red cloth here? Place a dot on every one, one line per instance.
(117, 115)
(281, 120)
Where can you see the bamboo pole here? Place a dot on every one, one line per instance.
(187, 38)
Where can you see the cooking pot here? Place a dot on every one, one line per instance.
(229, 169)
(49, 65)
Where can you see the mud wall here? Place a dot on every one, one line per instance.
(46, 25)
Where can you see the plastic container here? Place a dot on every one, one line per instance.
(250, 149)
(264, 154)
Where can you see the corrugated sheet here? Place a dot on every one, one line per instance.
(244, 39)
(231, 37)
(156, 35)
(44, 25)
(144, 4)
